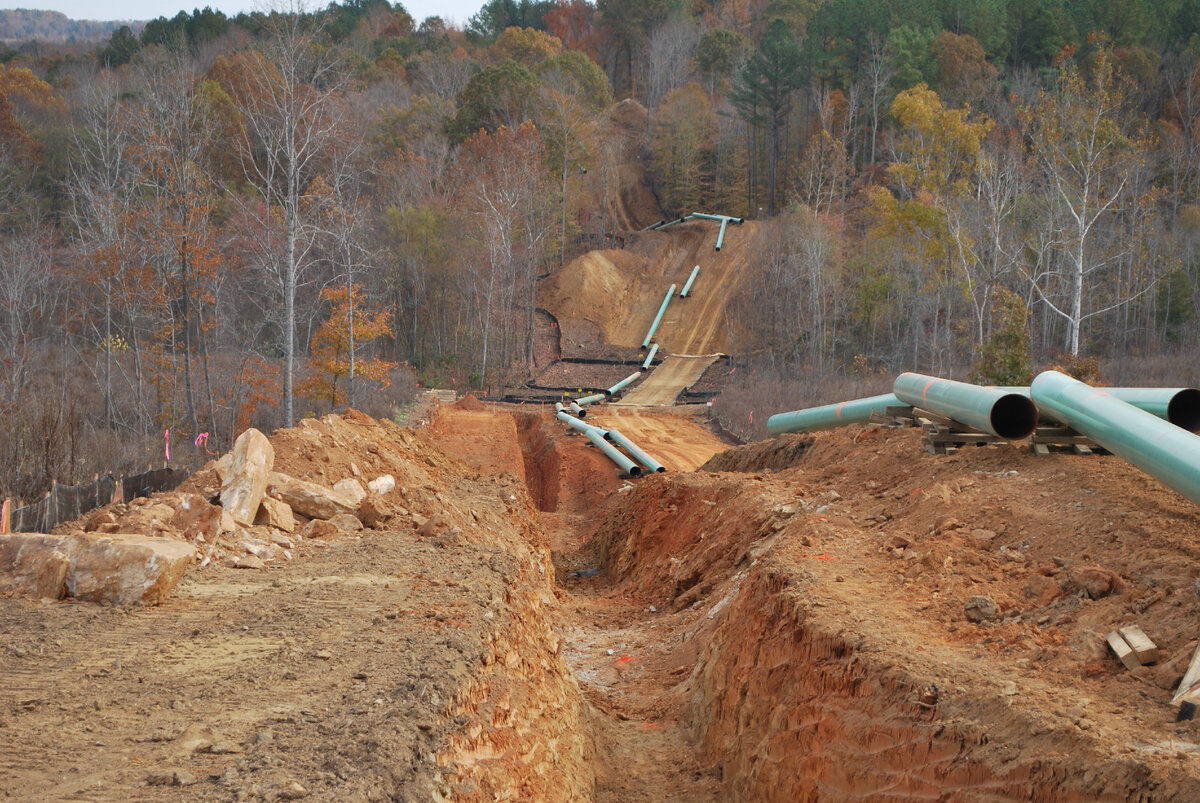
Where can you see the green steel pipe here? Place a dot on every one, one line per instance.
(829, 416)
(721, 235)
(1180, 406)
(722, 218)
(687, 286)
(574, 423)
(586, 400)
(627, 465)
(575, 408)
(1163, 450)
(623, 383)
(1006, 415)
(658, 318)
(650, 356)
(559, 407)
(654, 226)
(634, 451)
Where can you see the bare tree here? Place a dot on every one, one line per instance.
(289, 100)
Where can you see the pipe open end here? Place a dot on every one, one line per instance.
(1014, 417)
(635, 471)
(1184, 409)
(660, 470)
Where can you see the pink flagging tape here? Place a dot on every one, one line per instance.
(5, 513)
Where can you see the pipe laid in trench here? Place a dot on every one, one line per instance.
(610, 451)
(634, 451)
(662, 309)
(1011, 416)
(1167, 452)
(624, 383)
(574, 423)
(1180, 406)
(650, 356)
(828, 416)
(687, 286)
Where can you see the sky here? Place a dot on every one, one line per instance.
(456, 10)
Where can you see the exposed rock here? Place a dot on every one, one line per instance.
(246, 481)
(276, 513)
(374, 510)
(125, 569)
(32, 566)
(228, 525)
(247, 562)
(292, 790)
(382, 485)
(983, 538)
(97, 518)
(308, 498)
(279, 539)
(116, 569)
(196, 518)
(351, 489)
(346, 522)
(981, 609)
(319, 528)
(434, 526)
(1095, 581)
(222, 465)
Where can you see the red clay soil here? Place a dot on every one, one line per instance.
(838, 660)
(798, 629)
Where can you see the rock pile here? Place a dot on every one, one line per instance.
(237, 511)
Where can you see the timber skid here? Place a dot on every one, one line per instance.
(945, 436)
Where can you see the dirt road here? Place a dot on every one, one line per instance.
(668, 379)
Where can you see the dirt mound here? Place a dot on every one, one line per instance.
(774, 454)
(599, 288)
(470, 403)
(884, 618)
(413, 661)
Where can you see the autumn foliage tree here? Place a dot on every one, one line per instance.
(333, 363)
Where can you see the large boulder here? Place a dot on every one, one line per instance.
(308, 498)
(196, 519)
(32, 566)
(117, 569)
(245, 482)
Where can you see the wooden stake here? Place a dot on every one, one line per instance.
(5, 515)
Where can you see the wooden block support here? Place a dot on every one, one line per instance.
(1145, 649)
(1123, 651)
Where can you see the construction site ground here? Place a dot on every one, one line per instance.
(793, 626)
(838, 616)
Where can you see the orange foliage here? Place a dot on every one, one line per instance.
(19, 84)
(330, 361)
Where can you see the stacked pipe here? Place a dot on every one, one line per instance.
(1167, 452)
(1151, 428)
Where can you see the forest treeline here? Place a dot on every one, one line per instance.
(214, 222)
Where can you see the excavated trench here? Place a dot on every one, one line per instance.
(718, 667)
